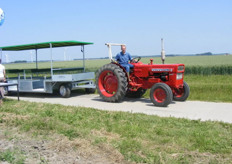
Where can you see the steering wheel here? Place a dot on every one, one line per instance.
(136, 61)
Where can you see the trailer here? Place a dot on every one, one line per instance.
(53, 78)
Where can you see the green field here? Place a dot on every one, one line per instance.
(93, 65)
(201, 60)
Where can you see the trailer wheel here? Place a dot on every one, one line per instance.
(90, 90)
(136, 94)
(64, 91)
(182, 94)
(161, 94)
(111, 82)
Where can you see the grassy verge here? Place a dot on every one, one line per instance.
(138, 137)
(216, 88)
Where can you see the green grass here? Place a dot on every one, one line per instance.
(138, 137)
(12, 156)
(216, 88)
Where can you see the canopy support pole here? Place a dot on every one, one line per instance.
(36, 58)
(51, 59)
(83, 51)
(1, 53)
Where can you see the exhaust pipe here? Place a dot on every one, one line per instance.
(162, 51)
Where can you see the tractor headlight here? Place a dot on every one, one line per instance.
(179, 76)
(181, 68)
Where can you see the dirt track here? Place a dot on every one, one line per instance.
(190, 109)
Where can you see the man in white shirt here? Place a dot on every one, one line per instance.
(2, 79)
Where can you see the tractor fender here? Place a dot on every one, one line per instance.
(124, 70)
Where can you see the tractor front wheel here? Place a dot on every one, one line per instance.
(111, 83)
(161, 94)
(182, 94)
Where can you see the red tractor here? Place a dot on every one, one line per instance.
(165, 81)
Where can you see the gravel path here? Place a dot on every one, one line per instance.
(193, 110)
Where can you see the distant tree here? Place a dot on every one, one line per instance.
(205, 54)
(20, 61)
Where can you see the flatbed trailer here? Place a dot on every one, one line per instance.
(64, 83)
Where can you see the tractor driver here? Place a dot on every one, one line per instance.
(123, 57)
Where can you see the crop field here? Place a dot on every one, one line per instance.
(92, 65)
(201, 60)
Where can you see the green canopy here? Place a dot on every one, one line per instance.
(43, 45)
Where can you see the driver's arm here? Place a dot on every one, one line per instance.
(130, 59)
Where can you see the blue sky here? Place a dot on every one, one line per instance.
(187, 26)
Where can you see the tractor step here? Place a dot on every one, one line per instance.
(131, 83)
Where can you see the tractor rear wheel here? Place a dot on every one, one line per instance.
(161, 94)
(111, 83)
(136, 94)
(182, 94)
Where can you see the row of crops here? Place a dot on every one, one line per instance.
(209, 70)
(189, 70)
(196, 65)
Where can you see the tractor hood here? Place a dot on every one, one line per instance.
(174, 68)
(144, 70)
